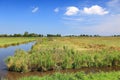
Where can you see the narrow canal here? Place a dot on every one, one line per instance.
(9, 51)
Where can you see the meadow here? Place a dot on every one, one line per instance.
(77, 76)
(11, 41)
(62, 53)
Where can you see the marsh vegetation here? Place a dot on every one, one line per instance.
(61, 53)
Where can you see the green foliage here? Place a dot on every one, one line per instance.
(78, 76)
(53, 35)
(45, 60)
(47, 54)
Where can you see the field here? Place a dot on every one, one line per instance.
(8, 41)
(78, 76)
(68, 53)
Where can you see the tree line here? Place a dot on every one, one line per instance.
(83, 35)
(27, 34)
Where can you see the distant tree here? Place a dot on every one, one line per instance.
(26, 34)
(116, 35)
(33, 35)
(90, 35)
(58, 35)
(53, 35)
(17, 35)
(10, 35)
(96, 35)
(40, 35)
(3, 35)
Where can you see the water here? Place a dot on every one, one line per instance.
(9, 51)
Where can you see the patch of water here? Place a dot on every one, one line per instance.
(9, 51)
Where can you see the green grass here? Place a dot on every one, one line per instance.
(56, 54)
(77, 76)
(68, 53)
(8, 41)
(45, 60)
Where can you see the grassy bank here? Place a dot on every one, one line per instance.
(63, 53)
(8, 41)
(78, 76)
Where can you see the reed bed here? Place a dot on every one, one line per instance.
(55, 54)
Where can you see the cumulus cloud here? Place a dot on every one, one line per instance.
(56, 10)
(88, 24)
(35, 9)
(72, 10)
(95, 9)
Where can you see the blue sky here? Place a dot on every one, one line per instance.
(60, 16)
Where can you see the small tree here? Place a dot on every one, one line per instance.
(26, 34)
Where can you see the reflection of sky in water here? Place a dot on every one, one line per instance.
(9, 51)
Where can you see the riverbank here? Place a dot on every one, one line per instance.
(12, 41)
(9, 51)
(78, 76)
(60, 54)
(16, 76)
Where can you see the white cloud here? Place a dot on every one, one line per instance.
(71, 10)
(103, 25)
(95, 9)
(35, 9)
(56, 10)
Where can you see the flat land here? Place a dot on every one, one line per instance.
(8, 41)
(78, 76)
(62, 53)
